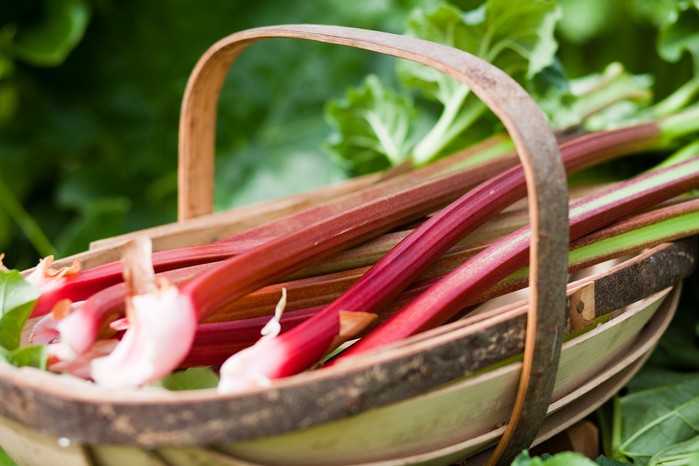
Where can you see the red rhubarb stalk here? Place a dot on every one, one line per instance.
(216, 341)
(458, 288)
(306, 344)
(502, 157)
(300, 348)
(235, 277)
(79, 286)
(319, 283)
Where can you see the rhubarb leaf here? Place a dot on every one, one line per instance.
(680, 33)
(655, 419)
(561, 459)
(372, 125)
(516, 36)
(48, 42)
(194, 378)
(375, 126)
(681, 453)
(31, 356)
(5, 459)
(17, 297)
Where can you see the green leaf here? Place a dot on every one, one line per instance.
(194, 378)
(604, 461)
(552, 91)
(372, 125)
(444, 25)
(49, 42)
(680, 454)
(680, 34)
(17, 297)
(654, 419)
(32, 356)
(560, 459)
(516, 36)
(651, 376)
(5, 459)
(656, 12)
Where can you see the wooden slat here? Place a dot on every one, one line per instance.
(30, 447)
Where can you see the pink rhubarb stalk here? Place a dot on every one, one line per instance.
(157, 319)
(457, 290)
(306, 344)
(79, 286)
(303, 346)
(75, 285)
(216, 341)
(235, 277)
(239, 275)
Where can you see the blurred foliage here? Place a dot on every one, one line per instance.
(90, 93)
(88, 142)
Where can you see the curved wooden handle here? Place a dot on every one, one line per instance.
(536, 146)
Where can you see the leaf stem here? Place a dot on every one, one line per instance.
(436, 139)
(680, 124)
(678, 99)
(26, 223)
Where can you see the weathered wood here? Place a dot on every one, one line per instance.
(28, 446)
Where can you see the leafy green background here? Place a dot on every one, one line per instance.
(88, 138)
(90, 93)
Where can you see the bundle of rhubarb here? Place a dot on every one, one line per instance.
(443, 230)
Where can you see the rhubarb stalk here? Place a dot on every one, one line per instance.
(460, 172)
(457, 289)
(307, 343)
(216, 341)
(233, 278)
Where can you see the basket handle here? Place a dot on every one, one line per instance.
(538, 153)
